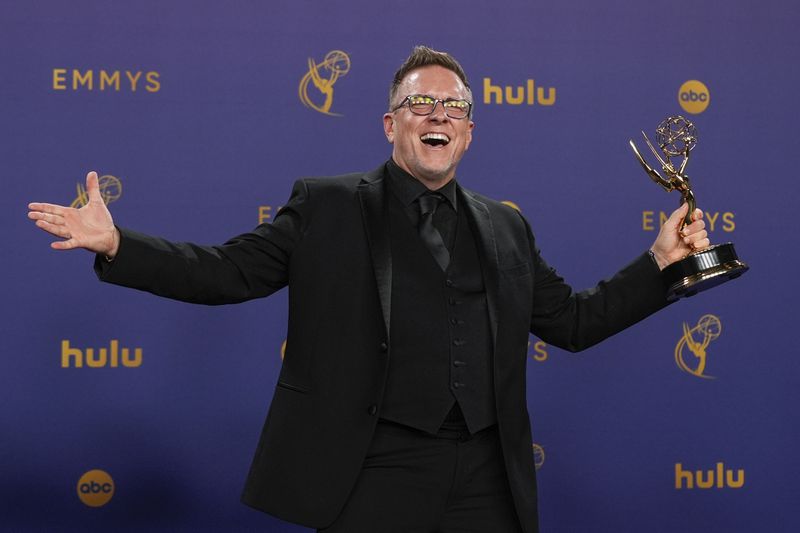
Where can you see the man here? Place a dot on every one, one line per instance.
(412, 418)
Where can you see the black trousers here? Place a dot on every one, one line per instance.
(414, 482)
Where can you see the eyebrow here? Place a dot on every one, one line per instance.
(464, 98)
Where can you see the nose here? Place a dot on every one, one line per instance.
(438, 113)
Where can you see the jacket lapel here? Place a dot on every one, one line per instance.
(375, 216)
(483, 229)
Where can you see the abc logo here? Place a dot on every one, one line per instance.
(694, 97)
(95, 488)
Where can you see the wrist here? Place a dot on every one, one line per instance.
(114, 249)
(660, 261)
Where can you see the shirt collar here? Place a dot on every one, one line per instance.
(407, 188)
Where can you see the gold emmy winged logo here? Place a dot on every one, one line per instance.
(110, 190)
(696, 340)
(538, 456)
(323, 76)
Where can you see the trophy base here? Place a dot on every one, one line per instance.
(703, 270)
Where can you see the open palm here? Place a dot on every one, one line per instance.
(90, 227)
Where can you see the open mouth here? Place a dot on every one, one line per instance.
(435, 139)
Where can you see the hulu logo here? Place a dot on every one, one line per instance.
(113, 356)
(521, 94)
(707, 479)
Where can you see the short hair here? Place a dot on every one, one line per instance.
(423, 56)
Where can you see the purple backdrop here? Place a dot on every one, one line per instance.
(216, 132)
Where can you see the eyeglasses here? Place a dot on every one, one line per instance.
(422, 104)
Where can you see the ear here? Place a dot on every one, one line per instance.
(388, 127)
(469, 134)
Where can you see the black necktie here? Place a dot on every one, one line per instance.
(428, 203)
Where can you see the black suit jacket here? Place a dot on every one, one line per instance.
(330, 244)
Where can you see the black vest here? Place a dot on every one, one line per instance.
(440, 336)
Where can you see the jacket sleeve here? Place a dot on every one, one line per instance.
(248, 266)
(576, 321)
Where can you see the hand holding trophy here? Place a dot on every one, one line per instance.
(701, 269)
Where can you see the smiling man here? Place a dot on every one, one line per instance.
(400, 405)
(435, 130)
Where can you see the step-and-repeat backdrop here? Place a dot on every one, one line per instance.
(122, 410)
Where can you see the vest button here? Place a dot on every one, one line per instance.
(384, 347)
(372, 409)
(449, 283)
(457, 384)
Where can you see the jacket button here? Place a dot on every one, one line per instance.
(384, 346)
(372, 410)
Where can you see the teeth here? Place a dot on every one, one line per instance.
(435, 137)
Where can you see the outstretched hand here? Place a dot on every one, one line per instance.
(673, 244)
(90, 227)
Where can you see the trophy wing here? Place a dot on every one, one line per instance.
(653, 173)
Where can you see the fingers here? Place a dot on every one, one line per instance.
(93, 187)
(697, 240)
(69, 244)
(698, 225)
(677, 216)
(46, 218)
(676, 240)
(699, 244)
(695, 235)
(59, 230)
(51, 218)
(54, 209)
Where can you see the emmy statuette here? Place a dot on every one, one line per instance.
(701, 269)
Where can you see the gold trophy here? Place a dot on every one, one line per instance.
(701, 269)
